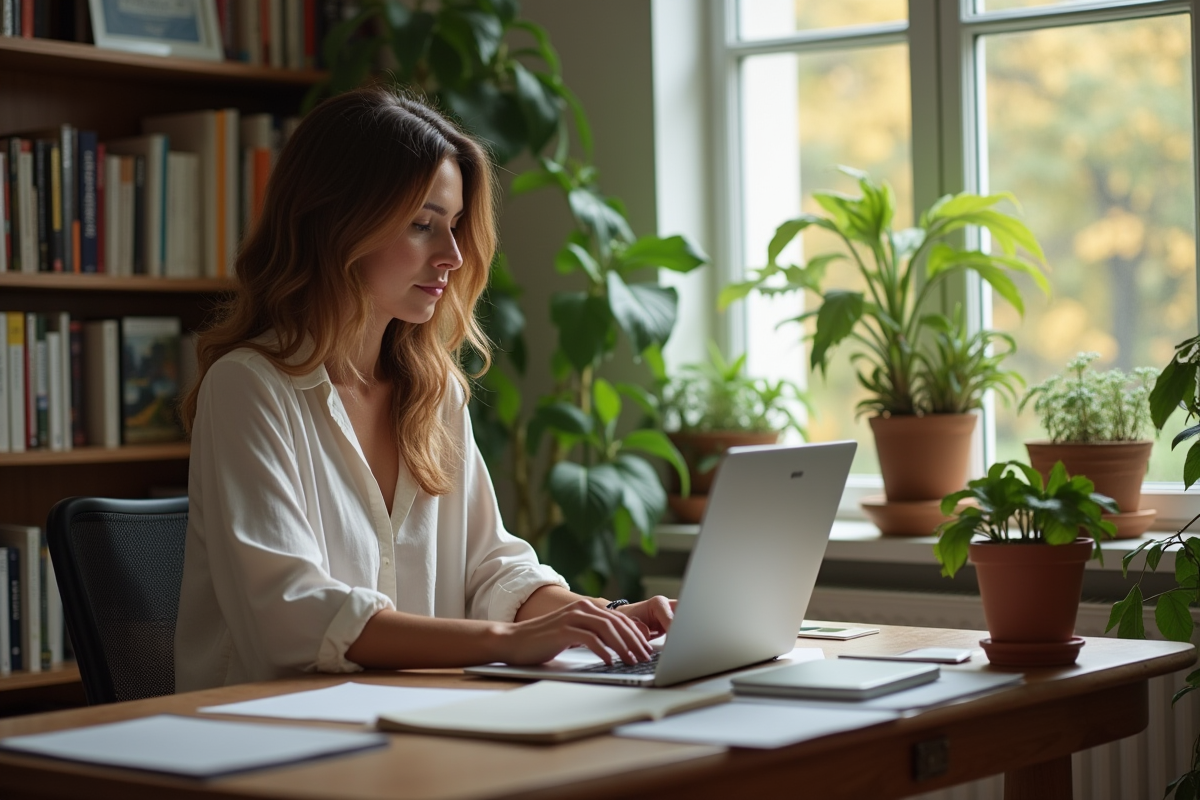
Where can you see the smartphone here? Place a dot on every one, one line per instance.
(934, 655)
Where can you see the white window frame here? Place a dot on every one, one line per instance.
(945, 135)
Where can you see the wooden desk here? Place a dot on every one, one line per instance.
(1028, 731)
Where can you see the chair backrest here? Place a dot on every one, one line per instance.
(119, 566)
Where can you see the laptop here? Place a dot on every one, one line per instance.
(750, 576)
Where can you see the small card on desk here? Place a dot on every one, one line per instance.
(817, 631)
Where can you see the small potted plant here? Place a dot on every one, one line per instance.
(712, 406)
(1097, 424)
(1030, 563)
(903, 270)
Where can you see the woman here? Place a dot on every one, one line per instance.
(340, 514)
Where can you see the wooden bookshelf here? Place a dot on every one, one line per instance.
(44, 83)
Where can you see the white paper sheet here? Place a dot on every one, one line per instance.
(347, 702)
(759, 725)
(196, 748)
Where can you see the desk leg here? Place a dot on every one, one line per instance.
(1050, 780)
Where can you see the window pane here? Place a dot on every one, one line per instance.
(1002, 5)
(1091, 128)
(768, 19)
(802, 115)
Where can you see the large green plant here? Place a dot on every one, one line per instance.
(901, 270)
(1176, 387)
(583, 491)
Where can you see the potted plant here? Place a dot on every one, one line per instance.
(712, 406)
(901, 368)
(1030, 565)
(1096, 422)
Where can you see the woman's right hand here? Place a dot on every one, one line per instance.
(581, 623)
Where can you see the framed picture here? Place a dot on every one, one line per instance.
(185, 28)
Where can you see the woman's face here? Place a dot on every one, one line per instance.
(407, 276)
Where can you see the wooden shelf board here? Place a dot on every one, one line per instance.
(58, 281)
(170, 451)
(73, 57)
(60, 675)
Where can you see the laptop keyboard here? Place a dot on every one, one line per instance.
(621, 668)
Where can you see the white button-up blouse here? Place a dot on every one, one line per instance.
(290, 548)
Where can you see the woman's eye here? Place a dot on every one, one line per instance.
(424, 228)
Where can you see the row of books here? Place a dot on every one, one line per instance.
(68, 383)
(170, 203)
(32, 634)
(285, 34)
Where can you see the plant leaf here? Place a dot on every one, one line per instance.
(572, 257)
(608, 402)
(539, 107)
(583, 323)
(1172, 616)
(1175, 384)
(655, 443)
(642, 493)
(676, 253)
(1127, 616)
(645, 311)
(839, 313)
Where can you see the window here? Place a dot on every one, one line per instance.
(1084, 110)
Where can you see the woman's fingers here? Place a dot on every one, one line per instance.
(655, 614)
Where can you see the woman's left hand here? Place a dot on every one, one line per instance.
(652, 616)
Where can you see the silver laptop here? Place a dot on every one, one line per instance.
(750, 575)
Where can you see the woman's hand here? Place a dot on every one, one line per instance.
(583, 623)
(652, 616)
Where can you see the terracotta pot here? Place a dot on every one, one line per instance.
(1030, 596)
(695, 447)
(688, 509)
(923, 458)
(1117, 468)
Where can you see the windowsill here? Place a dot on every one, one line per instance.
(855, 541)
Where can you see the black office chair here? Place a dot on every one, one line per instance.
(119, 565)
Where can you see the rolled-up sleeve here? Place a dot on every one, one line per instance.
(269, 569)
(502, 569)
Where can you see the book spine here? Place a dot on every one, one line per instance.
(16, 380)
(14, 160)
(5, 441)
(26, 32)
(55, 432)
(15, 618)
(139, 215)
(42, 195)
(42, 382)
(31, 381)
(31, 605)
(127, 228)
(101, 201)
(5, 635)
(78, 428)
(5, 216)
(8, 28)
(59, 239)
(69, 207)
(27, 210)
(89, 222)
(102, 374)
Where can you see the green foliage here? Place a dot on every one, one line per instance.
(1081, 405)
(1176, 387)
(1011, 504)
(902, 271)
(717, 396)
(501, 77)
(958, 368)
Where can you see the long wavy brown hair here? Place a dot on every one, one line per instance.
(357, 167)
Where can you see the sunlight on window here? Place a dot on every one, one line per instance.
(1091, 127)
(757, 20)
(1003, 5)
(802, 116)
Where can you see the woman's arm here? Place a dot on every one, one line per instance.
(396, 640)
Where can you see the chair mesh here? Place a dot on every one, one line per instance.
(131, 568)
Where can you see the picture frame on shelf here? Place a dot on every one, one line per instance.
(181, 28)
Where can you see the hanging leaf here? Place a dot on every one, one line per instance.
(642, 493)
(607, 401)
(492, 115)
(840, 311)
(676, 253)
(655, 443)
(539, 107)
(583, 323)
(588, 496)
(645, 311)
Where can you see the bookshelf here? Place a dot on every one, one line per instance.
(46, 83)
